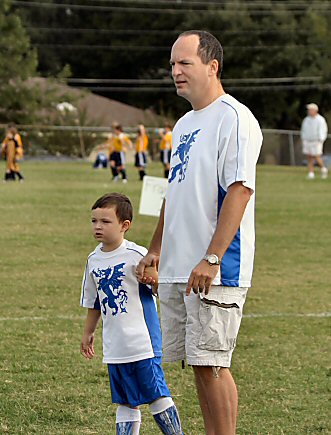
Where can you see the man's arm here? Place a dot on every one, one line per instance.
(87, 344)
(323, 130)
(153, 255)
(230, 217)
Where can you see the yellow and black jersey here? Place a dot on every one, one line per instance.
(166, 142)
(117, 142)
(142, 143)
(16, 139)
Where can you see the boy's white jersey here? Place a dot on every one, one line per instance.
(131, 329)
(212, 148)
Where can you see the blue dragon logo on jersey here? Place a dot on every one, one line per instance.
(186, 142)
(110, 283)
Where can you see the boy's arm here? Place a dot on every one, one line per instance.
(87, 344)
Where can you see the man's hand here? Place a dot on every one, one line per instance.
(87, 346)
(201, 277)
(150, 260)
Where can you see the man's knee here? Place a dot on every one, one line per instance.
(209, 373)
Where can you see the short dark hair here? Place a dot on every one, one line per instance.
(209, 48)
(121, 203)
(117, 126)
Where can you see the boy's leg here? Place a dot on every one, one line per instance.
(123, 172)
(20, 176)
(114, 172)
(142, 173)
(127, 420)
(166, 416)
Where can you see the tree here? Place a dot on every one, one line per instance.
(19, 62)
(261, 40)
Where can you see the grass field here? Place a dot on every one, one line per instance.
(281, 364)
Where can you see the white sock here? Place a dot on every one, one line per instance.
(125, 414)
(160, 405)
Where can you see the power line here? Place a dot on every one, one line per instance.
(96, 8)
(161, 31)
(167, 81)
(162, 48)
(103, 47)
(263, 88)
(258, 3)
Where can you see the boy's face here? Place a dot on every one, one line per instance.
(106, 227)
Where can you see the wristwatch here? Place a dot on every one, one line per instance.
(212, 259)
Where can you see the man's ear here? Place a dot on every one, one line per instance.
(126, 225)
(213, 67)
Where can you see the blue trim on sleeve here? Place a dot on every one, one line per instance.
(230, 264)
(151, 318)
(83, 286)
(134, 250)
(237, 136)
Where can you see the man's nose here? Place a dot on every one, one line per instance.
(176, 71)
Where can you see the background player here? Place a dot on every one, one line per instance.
(141, 150)
(314, 131)
(117, 149)
(131, 329)
(12, 149)
(165, 148)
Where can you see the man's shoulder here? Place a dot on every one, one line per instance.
(235, 107)
(320, 118)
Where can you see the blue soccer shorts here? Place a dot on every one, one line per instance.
(138, 382)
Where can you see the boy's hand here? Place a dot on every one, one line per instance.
(87, 346)
(151, 277)
(150, 260)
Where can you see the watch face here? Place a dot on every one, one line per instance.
(212, 259)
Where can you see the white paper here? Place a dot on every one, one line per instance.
(152, 195)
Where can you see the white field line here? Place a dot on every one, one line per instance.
(246, 316)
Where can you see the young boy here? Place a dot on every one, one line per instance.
(131, 328)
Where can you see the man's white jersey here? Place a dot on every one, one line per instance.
(131, 328)
(212, 148)
(314, 129)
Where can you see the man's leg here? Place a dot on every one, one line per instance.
(310, 165)
(324, 169)
(218, 400)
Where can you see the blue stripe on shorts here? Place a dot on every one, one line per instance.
(138, 382)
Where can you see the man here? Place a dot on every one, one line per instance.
(314, 131)
(204, 240)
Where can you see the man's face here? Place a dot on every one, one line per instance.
(312, 112)
(191, 76)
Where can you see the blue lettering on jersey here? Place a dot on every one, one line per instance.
(110, 283)
(186, 142)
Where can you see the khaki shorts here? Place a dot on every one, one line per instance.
(201, 330)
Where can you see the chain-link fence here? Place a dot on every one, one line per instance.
(280, 147)
(284, 147)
